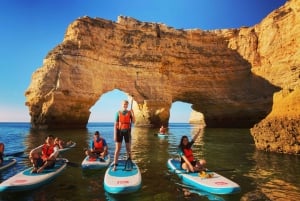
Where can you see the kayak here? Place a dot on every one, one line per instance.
(71, 145)
(125, 179)
(26, 180)
(7, 162)
(208, 181)
(95, 163)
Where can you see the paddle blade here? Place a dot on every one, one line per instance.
(128, 164)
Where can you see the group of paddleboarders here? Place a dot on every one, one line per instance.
(122, 131)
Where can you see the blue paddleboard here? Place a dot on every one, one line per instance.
(95, 163)
(26, 180)
(210, 182)
(125, 179)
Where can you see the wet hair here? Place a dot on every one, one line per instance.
(50, 136)
(97, 133)
(181, 141)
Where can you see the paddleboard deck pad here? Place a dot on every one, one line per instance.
(95, 163)
(126, 178)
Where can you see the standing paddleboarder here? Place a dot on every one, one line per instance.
(122, 129)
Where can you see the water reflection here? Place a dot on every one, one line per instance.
(276, 175)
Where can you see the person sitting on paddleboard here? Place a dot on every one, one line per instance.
(162, 130)
(1, 152)
(44, 156)
(62, 144)
(98, 147)
(188, 162)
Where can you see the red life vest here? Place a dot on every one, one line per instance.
(98, 146)
(47, 151)
(124, 120)
(188, 153)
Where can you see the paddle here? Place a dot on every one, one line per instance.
(14, 154)
(208, 171)
(128, 164)
(192, 189)
(17, 154)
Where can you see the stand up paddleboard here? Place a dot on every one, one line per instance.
(95, 163)
(26, 180)
(71, 145)
(7, 162)
(161, 135)
(125, 179)
(211, 182)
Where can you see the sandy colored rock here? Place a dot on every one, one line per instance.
(234, 77)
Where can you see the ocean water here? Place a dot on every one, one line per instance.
(276, 175)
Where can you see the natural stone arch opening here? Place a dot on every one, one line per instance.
(108, 104)
(191, 66)
(180, 112)
(230, 75)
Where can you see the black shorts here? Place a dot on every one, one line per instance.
(126, 134)
(40, 163)
(193, 163)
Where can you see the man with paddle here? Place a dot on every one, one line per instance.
(122, 129)
(188, 162)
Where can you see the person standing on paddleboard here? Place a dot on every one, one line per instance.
(122, 129)
(188, 162)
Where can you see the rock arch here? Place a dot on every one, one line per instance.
(229, 75)
(192, 66)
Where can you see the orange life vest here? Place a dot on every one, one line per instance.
(47, 151)
(124, 120)
(188, 153)
(98, 146)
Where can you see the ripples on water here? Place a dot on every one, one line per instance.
(276, 175)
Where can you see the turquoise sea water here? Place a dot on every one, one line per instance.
(276, 175)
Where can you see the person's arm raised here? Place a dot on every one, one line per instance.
(201, 130)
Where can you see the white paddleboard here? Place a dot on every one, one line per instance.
(122, 180)
(95, 163)
(26, 180)
(73, 144)
(161, 135)
(209, 181)
(7, 162)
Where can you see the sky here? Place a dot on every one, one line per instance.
(29, 29)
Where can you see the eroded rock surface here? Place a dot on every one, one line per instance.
(228, 75)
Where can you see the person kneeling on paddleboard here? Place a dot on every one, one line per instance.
(44, 156)
(188, 162)
(98, 147)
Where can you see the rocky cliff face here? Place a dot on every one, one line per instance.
(228, 75)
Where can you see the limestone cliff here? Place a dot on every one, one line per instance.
(229, 76)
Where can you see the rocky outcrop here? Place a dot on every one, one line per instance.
(228, 75)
